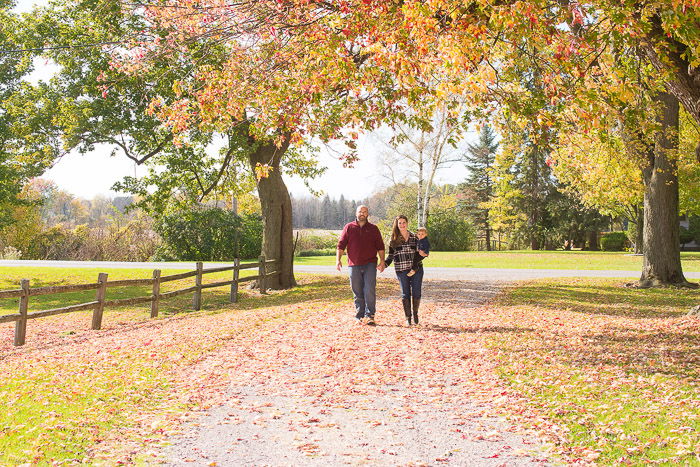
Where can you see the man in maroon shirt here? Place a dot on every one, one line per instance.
(363, 242)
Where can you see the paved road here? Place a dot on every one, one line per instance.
(489, 274)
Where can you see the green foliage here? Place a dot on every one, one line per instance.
(478, 188)
(688, 167)
(318, 252)
(17, 162)
(391, 202)
(694, 228)
(448, 231)
(208, 234)
(613, 241)
(685, 235)
(315, 242)
(631, 232)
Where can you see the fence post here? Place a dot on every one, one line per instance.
(234, 285)
(21, 323)
(261, 275)
(156, 293)
(100, 306)
(197, 299)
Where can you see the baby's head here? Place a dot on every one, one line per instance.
(421, 232)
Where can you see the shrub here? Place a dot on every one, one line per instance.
(309, 240)
(694, 228)
(448, 231)
(318, 252)
(613, 241)
(208, 234)
(10, 252)
(685, 235)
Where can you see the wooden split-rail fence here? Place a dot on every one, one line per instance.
(100, 303)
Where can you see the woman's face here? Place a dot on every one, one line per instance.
(403, 225)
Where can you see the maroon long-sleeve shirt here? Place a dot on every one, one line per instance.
(362, 243)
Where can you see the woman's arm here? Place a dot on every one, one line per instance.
(390, 256)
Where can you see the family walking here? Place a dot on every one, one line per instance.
(365, 250)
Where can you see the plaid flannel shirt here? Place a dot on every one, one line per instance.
(402, 255)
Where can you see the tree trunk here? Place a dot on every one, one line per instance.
(488, 233)
(592, 238)
(662, 258)
(278, 240)
(639, 241)
(420, 205)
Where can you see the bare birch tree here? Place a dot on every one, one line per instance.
(419, 153)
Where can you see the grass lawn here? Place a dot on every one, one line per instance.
(46, 276)
(615, 370)
(528, 259)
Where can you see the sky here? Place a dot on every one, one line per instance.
(92, 174)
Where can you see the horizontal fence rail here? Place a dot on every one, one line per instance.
(100, 287)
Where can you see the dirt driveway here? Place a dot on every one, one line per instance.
(325, 391)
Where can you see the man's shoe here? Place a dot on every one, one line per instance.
(358, 321)
(370, 322)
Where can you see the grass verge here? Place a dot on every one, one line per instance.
(616, 370)
(47, 276)
(528, 259)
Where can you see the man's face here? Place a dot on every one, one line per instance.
(362, 213)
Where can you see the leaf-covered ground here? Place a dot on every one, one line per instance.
(615, 370)
(606, 374)
(322, 390)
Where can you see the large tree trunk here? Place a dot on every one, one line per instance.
(662, 258)
(278, 241)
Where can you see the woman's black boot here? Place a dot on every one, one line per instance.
(407, 309)
(416, 304)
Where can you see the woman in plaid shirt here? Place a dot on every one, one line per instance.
(402, 249)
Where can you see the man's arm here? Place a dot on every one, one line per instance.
(379, 245)
(338, 258)
(340, 248)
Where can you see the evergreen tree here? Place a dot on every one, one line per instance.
(479, 160)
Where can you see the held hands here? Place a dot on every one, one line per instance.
(381, 266)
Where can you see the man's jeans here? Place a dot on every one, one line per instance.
(411, 286)
(363, 280)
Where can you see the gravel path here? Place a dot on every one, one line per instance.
(336, 393)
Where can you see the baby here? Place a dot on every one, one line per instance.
(424, 246)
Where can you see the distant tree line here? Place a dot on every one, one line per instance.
(323, 213)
